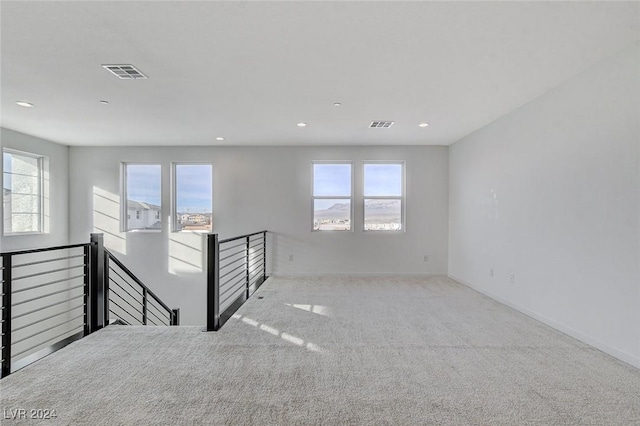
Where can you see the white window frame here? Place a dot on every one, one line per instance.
(124, 225)
(402, 197)
(40, 193)
(332, 197)
(174, 195)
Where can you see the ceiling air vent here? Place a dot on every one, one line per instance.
(381, 124)
(128, 72)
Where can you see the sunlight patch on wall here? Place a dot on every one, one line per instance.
(106, 219)
(186, 252)
(256, 262)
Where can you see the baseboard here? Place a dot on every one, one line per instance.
(355, 275)
(616, 353)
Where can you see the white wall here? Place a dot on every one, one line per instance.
(58, 197)
(550, 193)
(56, 193)
(258, 188)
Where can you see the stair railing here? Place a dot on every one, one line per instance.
(53, 296)
(130, 301)
(236, 268)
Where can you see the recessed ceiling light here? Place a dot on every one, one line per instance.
(104, 102)
(337, 104)
(423, 125)
(302, 124)
(219, 138)
(25, 104)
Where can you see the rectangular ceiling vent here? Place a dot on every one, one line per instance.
(128, 72)
(381, 124)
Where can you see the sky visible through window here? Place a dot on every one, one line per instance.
(382, 180)
(382, 191)
(334, 180)
(193, 188)
(193, 185)
(330, 180)
(143, 183)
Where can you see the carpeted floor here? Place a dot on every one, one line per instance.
(328, 351)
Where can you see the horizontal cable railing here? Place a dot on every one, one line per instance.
(56, 295)
(44, 302)
(236, 267)
(130, 301)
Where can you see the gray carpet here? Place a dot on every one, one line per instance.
(396, 351)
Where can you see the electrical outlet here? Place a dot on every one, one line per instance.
(291, 258)
(491, 272)
(512, 278)
(426, 257)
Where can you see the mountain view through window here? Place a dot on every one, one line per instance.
(332, 197)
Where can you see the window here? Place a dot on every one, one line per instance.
(192, 197)
(383, 196)
(22, 192)
(142, 190)
(332, 195)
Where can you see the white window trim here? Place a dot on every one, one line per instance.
(174, 198)
(124, 198)
(402, 198)
(332, 197)
(41, 162)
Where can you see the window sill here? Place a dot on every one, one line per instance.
(20, 234)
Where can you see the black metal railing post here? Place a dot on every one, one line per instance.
(144, 306)
(247, 266)
(264, 256)
(97, 296)
(86, 299)
(213, 282)
(106, 267)
(175, 317)
(6, 315)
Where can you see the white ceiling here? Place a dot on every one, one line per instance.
(249, 71)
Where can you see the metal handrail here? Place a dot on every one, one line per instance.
(137, 280)
(40, 250)
(228, 240)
